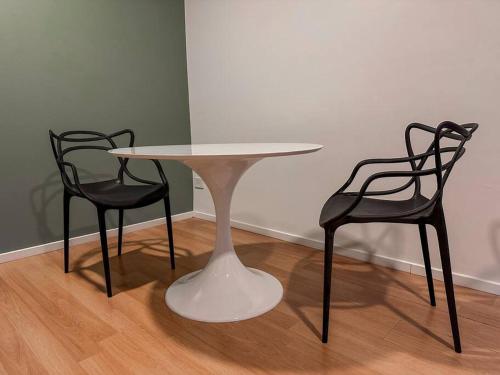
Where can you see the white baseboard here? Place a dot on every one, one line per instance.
(56, 245)
(472, 282)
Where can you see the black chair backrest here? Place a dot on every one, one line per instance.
(449, 130)
(86, 141)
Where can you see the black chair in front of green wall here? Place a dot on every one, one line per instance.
(357, 207)
(110, 194)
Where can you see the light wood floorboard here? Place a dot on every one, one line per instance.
(381, 322)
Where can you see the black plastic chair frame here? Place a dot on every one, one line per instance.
(431, 212)
(74, 188)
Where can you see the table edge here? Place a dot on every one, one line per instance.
(115, 152)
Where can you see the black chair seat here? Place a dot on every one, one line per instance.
(372, 209)
(113, 194)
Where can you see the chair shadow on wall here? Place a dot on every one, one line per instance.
(47, 197)
(494, 235)
(146, 262)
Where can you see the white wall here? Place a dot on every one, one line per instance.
(350, 75)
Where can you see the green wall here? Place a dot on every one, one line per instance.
(85, 64)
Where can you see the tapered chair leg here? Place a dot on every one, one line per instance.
(448, 279)
(327, 282)
(66, 201)
(120, 231)
(427, 262)
(104, 249)
(168, 215)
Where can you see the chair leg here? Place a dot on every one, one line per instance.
(427, 262)
(120, 231)
(448, 279)
(327, 282)
(104, 248)
(168, 215)
(66, 200)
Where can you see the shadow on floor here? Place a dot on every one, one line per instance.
(287, 338)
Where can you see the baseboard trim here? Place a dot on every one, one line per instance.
(56, 245)
(472, 282)
(468, 281)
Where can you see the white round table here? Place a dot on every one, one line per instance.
(225, 290)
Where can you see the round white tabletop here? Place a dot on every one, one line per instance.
(225, 290)
(216, 151)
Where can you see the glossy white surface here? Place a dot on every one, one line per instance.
(225, 290)
(223, 150)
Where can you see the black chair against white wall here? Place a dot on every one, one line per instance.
(357, 207)
(110, 194)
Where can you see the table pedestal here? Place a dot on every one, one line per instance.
(225, 290)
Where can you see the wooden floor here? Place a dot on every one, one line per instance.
(56, 323)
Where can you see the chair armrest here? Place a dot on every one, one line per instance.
(74, 171)
(407, 159)
(390, 174)
(159, 168)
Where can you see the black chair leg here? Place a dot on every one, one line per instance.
(327, 281)
(104, 248)
(427, 262)
(120, 231)
(168, 215)
(448, 279)
(66, 200)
